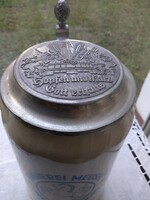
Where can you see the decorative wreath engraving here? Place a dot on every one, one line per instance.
(69, 70)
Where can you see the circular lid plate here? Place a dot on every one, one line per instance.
(68, 71)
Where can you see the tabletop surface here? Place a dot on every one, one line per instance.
(128, 180)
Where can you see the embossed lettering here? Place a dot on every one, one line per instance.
(37, 82)
(64, 92)
(50, 88)
(69, 69)
(106, 79)
(46, 80)
(57, 91)
(74, 92)
(87, 91)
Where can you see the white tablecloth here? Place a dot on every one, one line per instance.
(129, 178)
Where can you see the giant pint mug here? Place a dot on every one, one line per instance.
(67, 106)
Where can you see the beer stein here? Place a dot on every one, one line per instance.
(67, 106)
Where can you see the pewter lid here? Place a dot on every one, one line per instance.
(68, 71)
(68, 85)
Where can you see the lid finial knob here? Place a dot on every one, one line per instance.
(62, 12)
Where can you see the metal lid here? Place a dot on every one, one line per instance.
(68, 85)
(68, 71)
